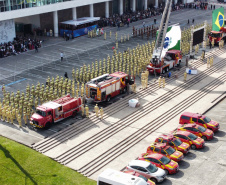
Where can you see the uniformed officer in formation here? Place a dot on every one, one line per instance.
(87, 111)
(101, 113)
(96, 109)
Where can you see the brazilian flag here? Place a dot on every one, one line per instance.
(218, 19)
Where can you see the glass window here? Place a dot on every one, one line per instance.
(156, 161)
(207, 120)
(200, 121)
(194, 119)
(156, 149)
(163, 152)
(192, 136)
(152, 168)
(188, 128)
(49, 113)
(134, 167)
(170, 150)
(41, 113)
(165, 160)
(177, 142)
(142, 169)
(185, 117)
(202, 129)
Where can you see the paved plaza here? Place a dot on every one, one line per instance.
(90, 145)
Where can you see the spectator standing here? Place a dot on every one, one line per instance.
(61, 56)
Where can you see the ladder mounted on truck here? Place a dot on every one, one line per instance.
(159, 44)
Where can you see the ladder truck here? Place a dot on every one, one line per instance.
(159, 64)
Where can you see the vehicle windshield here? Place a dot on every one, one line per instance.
(192, 136)
(202, 129)
(170, 150)
(177, 142)
(152, 168)
(206, 119)
(141, 176)
(165, 160)
(215, 34)
(41, 113)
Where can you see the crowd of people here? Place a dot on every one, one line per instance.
(19, 45)
(128, 17)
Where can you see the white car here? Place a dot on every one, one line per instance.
(148, 170)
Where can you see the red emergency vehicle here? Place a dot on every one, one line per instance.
(105, 87)
(217, 35)
(171, 59)
(55, 111)
(189, 117)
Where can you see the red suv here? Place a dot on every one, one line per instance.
(187, 137)
(198, 130)
(166, 150)
(188, 117)
(175, 143)
(161, 161)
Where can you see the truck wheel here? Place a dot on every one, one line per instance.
(74, 114)
(48, 125)
(154, 180)
(204, 137)
(108, 98)
(193, 147)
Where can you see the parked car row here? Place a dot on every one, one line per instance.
(162, 156)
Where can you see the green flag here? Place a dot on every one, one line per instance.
(218, 19)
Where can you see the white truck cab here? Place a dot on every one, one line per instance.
(113, 177)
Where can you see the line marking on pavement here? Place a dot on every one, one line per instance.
(53, 130)
(14, 82)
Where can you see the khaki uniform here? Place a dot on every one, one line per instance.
(87, 111)
(160, 81)
(185, 76)
(96, 109)
(101, 113)
(82, 109)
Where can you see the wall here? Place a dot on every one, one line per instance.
(7, 31)
(34, 20)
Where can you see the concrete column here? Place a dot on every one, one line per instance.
(55, 23)
(74, 13)
(107, 9)
(134, 5)
(145, 4)
(121, 7)
(91, 12)
(156, 3)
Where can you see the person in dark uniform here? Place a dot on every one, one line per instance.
(65, 75)
(188, 21)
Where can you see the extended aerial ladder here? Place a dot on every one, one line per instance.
(159, 43)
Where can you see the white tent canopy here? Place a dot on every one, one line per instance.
(82, 20)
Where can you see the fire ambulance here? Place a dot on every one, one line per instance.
(105, 87)
(55, 111)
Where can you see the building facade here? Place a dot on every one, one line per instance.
(47, 14)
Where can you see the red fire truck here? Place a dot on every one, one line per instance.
(55, 111)
(105, 87)
(171, 59)
(217, 35)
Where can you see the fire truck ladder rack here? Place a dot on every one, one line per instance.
(163, 27)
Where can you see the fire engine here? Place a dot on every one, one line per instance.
(217, 35)
(105, 87)
(163, 59)
(171, 59)
(55, 111)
